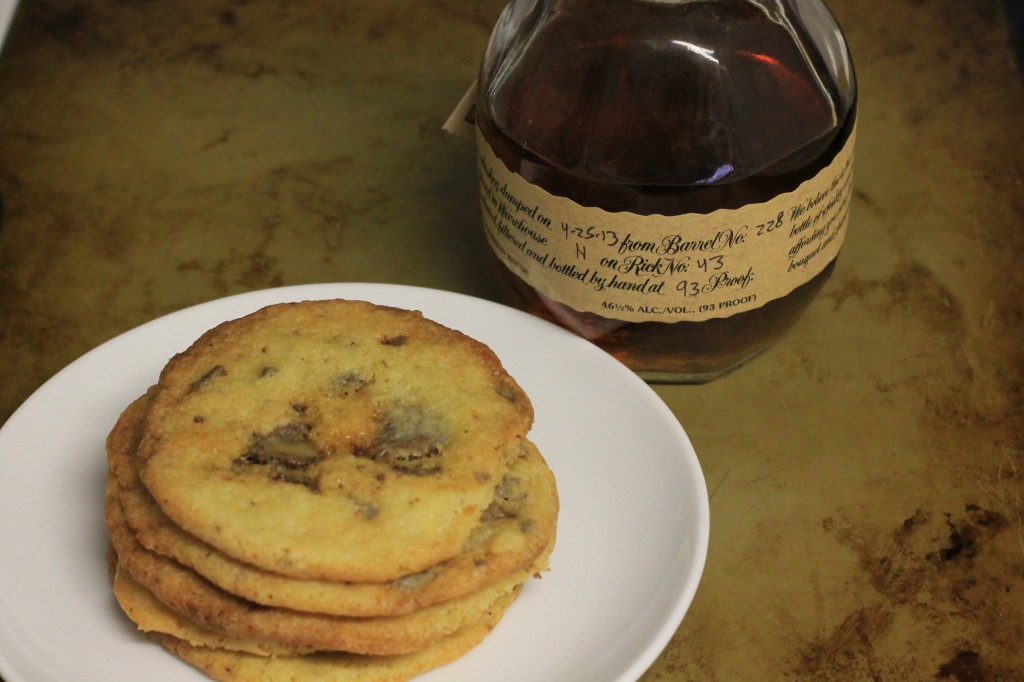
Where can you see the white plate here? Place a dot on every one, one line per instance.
(632, 534)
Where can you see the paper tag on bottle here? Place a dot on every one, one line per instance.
(641, 268)
(462, 121)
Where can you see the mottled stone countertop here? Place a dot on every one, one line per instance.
(866, 474)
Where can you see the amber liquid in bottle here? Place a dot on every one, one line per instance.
(667, 108)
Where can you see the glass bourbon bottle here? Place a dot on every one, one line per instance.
(668, 179)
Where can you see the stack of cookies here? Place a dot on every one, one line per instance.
(327, 490)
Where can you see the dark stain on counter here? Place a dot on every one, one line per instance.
(967, 666)
(951, 572)
(68, 25)
(964, 537)
(911, 291)
(849, 651)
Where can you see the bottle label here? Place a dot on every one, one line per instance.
(641, 268)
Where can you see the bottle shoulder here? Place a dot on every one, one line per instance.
(669, 94)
